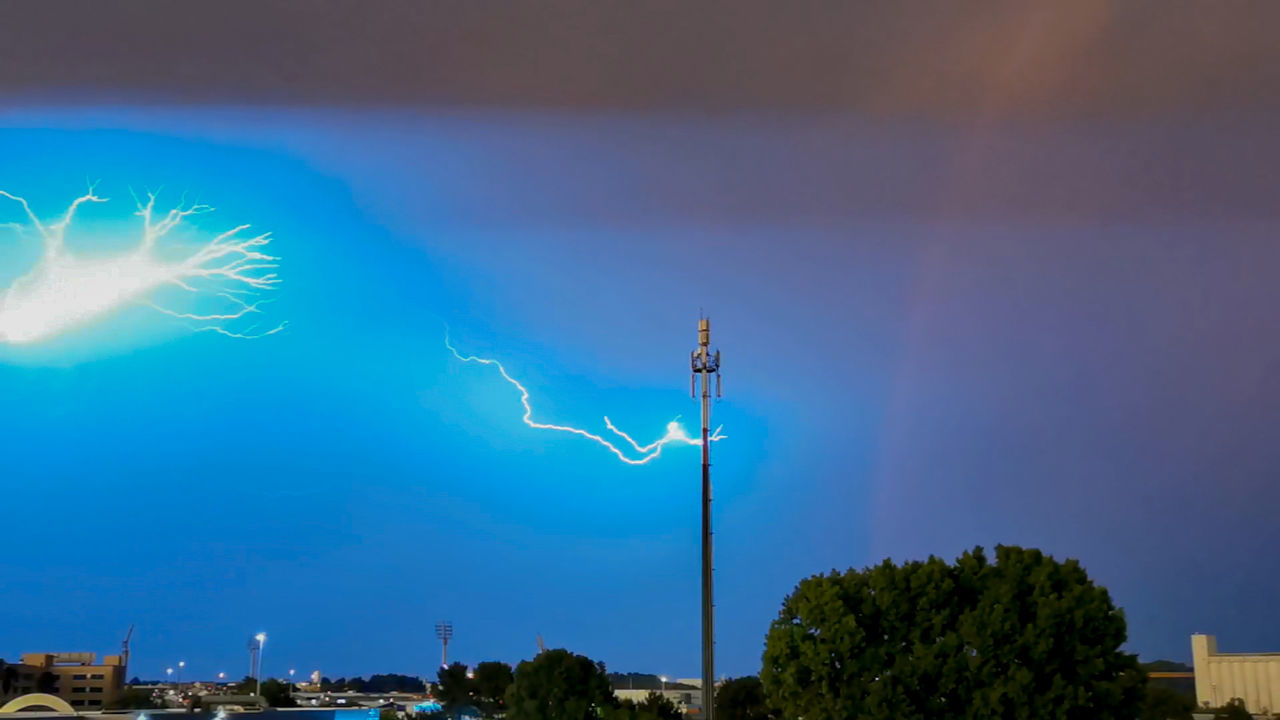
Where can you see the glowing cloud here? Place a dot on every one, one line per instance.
(66, 290)
(675, 433)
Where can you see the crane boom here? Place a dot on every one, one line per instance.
(124, 648)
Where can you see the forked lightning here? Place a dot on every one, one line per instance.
(675, 434)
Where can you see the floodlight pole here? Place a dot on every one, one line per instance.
(444, 631)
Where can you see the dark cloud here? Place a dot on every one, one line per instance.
(1081, 58)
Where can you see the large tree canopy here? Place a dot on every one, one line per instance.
(559, 685)
(1023, 637)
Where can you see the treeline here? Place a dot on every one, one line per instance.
(1015, 634)
(382, 683)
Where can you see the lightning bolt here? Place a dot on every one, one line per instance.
(65, 290)
(675, 434)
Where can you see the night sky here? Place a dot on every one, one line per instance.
(999, 276)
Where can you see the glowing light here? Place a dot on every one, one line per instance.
(675, 434)
(66, 290)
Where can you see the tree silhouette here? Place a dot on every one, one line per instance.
(1025, 636)
(453, 687)
(1233, 710)
(1164, 703)
(489, 688)
(742, 699)
(559, 685)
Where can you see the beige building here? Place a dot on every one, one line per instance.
(77, 678)
(1252, 677)
(686, 699)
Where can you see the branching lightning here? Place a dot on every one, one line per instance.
(65, 290)
(675, 434)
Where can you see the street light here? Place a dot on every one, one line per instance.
(262, 641)
(663, 678)
(169, 672)
(222, 676)
(291, 671)
(181, 664)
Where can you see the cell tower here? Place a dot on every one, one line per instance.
(703, 362)
(444, 631)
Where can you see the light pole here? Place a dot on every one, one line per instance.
(444, 631)
(181, 664)
(262, 641)
(222, 677)
(169, 673)
(663, 678)
(291, 671)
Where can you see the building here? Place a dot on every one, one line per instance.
(1254, 678)
(75, 677)
(636, 687)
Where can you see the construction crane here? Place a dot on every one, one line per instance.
(124, 648)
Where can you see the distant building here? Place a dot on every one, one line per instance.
(636, 687)
(75, 677)
(1254, 678)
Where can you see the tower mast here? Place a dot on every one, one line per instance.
(705, 364)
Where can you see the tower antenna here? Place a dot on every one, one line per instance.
(705, 364)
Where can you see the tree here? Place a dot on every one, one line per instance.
(393, 682)
(629, 710)
(1233, 710)
(489, 688)
(388, 714)
(453, 687)
(8, 678)
(742, 699)
(1164, 703)
(559, 685)
(355, 684)
(1025, 636)
(277, 694)
(659, 706)
(246, 686)
(274, 691)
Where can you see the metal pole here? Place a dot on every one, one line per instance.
(444, 631)
(704, 363)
